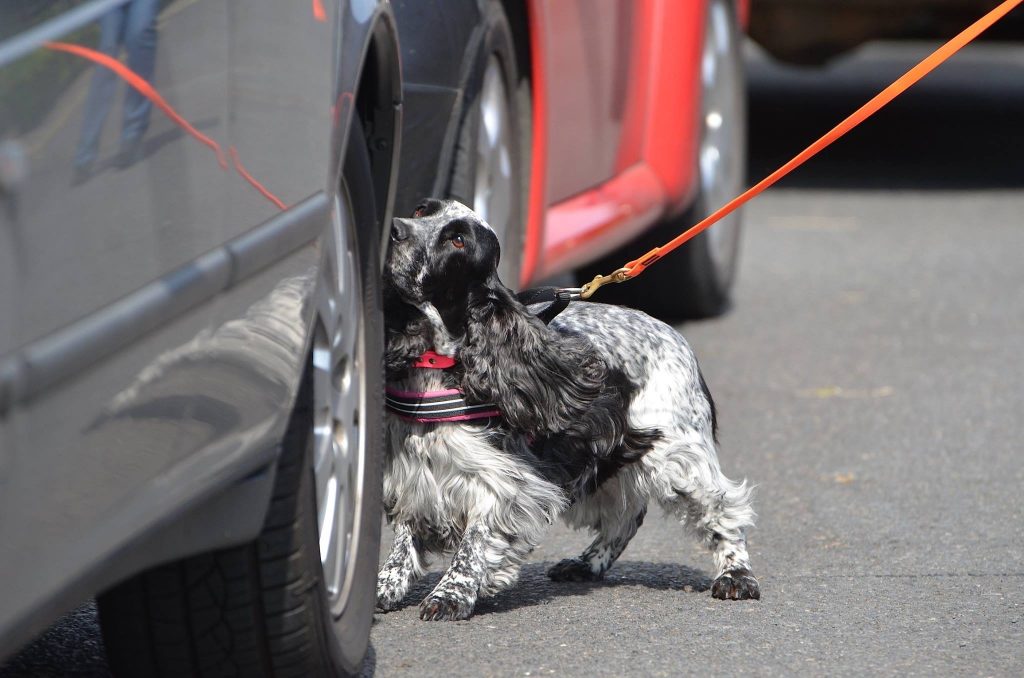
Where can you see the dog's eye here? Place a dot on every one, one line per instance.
(458, 241)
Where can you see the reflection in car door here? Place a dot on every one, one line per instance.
(119, 202)
(591, 49)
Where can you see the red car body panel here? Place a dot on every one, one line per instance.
(629, 168)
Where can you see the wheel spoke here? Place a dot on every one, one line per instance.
(346, 407)
(323, 458)
(347, 328)
(328, 540)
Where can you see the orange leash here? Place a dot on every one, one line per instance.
(915, 74)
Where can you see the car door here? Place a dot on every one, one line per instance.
(243, 375)
(589, 53)
(105, 264)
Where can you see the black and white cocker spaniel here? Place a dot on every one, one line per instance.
(498, 424)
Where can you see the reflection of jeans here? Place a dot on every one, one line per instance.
(134, 26)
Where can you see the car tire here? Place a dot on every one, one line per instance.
(271, 607)
(696, 280)
(491, 158)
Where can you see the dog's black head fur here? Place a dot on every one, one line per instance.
(442, 291)
(444, 256)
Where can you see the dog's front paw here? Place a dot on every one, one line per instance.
(387, 601)
(445, 607)
(572, 569)
(736, 585)
(390, 591)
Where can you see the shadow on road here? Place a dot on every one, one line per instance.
(959, 128)
(535, 588)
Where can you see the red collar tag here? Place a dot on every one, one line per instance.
(434, 361)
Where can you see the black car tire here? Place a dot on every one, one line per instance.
(261, 609)
(496, 44)
(696, 280)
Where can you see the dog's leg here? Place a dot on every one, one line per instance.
(692, 486)
(404, 566)
(456, 593)
(612, 538)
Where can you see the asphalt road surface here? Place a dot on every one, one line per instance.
(869, 383)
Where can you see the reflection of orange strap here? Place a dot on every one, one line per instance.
(252, 180)
(318, 11)
(148, 91)
(637, 266)
(144, 88)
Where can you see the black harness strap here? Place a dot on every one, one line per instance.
(557, 298)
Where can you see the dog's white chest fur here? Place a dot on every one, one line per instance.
(430, 478)
(444, 476)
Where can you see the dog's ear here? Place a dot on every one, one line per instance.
(543, 382)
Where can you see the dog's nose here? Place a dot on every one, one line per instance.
(399, 230)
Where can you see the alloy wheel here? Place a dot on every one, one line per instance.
(339, 404)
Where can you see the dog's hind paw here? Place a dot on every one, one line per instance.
(573, 569)
(440, 608)
(736, 585)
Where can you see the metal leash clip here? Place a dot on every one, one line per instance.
(573, 292)
(618, 276)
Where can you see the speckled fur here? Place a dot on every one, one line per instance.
(682, 472)
(594, 453)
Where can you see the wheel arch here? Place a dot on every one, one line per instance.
(369, 86)
(435, 38)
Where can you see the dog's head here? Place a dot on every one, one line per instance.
(443, 255)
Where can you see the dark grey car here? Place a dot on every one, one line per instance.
(191, 200)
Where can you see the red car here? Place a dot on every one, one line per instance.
(585, 132)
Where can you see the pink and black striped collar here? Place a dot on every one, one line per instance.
(436, 406)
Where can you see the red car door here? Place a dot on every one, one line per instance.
(615, 120)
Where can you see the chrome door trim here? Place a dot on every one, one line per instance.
(45, 362)
(59, 26)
